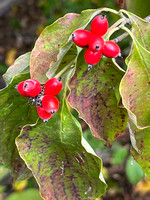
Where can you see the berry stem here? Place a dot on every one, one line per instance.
(70, 65)
(124, 35)
(111, 32)
(121, 37)
(117, 23)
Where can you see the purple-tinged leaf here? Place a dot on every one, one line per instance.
(135, 85)
(95, 95)
(58, 161)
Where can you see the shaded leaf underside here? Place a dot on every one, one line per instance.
(21, 65)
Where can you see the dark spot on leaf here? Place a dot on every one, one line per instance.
(129, 73)
(116, 135)
(64, 62)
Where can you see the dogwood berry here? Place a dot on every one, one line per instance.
(110, 49)
(91, 57)
(31, 87)
(42, 114)
(99, 25)
(53, 86)
(95, 43)
(50, 104)
(20, 89)
(81, 37)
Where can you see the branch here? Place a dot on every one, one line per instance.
(124, 35)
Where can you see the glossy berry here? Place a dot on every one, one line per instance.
(99, 25)
(31, 87)
(42, 114)
(50, 104)
(20, 89)
(96, 43)
(91, 57)
(81, 37)
(110, 49)
(53, 86)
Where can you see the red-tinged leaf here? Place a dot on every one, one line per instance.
(95, 95)
(135, 85)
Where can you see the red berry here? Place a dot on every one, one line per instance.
(96, 43)
(20, 89)
(53, 86)
(81, 37)
(110, 49)
(91, 57)
(99, 25)
(50, 104)
(31, 87)
(42, 114)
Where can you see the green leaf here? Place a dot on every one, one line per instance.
(135, 85)
(94, 142)
(140, 8)
(3, 172)
(133, 171)
(32, 194)
(54, 153)
(3, 68)
(15, 112)
(21, 65)
(140, 139)
(54, 42)
(119, 155)
(95, 95)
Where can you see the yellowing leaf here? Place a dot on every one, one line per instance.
(143, 186)
(20, 185)
(10, 57)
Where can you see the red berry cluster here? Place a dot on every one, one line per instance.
(94, 42)
(43, 96)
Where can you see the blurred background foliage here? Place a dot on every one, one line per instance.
(21, 22)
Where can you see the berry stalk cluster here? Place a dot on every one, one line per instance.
(94, 42)
(43, 96)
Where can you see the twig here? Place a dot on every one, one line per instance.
(121, 37)
(124, 35)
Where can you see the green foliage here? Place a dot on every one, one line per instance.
(140, 142)
(95, 143)
(136, 98)
(133, 171)
(28, 194)
(119, 155)
(3, 171)
(3, 69)
(15, 112)
(21, 65)
(140, 8)
(105, 97)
